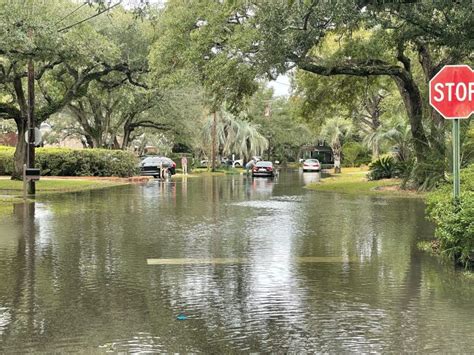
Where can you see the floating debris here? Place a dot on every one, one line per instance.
(181, 316)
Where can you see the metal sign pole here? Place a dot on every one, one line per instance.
(31, 121)
(456, 160)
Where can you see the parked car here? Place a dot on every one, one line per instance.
(203, 163)
(150, 166)
(263, 168)
(238, 163)
(311, 165)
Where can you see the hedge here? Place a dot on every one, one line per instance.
(455, 223)
(76, 162)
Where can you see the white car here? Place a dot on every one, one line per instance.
(311, 165)
(238, 163)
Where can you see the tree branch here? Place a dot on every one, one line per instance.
(402, 57)
(150, 124)
(9, 111)
(354, 68)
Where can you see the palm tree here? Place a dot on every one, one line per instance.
(333, 132)
(373, 139)
(370, 122)
(395, 133)
(399, 136)
(234, 135)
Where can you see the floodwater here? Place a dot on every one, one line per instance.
(251, 265)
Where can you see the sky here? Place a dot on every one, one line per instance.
(281, 86)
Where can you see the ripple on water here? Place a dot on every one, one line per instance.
(140, 343)
(267, 204)
(5, 319)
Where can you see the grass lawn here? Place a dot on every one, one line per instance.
(12, 191)
(354, 181)
(218, 172)
(47, 186)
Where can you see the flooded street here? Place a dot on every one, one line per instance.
(252, 264)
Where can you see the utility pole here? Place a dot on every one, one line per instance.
(213, 139)
(30, 155)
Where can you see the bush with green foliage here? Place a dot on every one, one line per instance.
(6, 160)
(76, 162)
(364, 158)
(455, 222)
(350, 152)
(384, 168)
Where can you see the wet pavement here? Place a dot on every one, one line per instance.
(247, 264)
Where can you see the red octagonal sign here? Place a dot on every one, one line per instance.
(452, 91)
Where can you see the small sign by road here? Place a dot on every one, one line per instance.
(452, 95)
(452, 91)
(38, 137)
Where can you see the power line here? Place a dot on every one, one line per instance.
(90, 17)
(279, 82)
(69, 14)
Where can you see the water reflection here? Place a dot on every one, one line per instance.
(75, 277)
(260, 187)
(311, 177)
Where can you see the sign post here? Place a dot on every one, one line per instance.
(452, 95)
(456, 159)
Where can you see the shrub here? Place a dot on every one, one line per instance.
(77, 162)
(6, 160)
(350, 152)
(384, 168)
(455, 223)
(363, 159)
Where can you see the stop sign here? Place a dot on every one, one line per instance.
(452, 91)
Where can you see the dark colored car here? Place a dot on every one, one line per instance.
(150, 166)
(263, 168)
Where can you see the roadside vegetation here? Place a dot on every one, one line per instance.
(455, 221)
(76, 162)
(356, 181)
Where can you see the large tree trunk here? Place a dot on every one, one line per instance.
(21, 124)
(127, 132)
(126, 138)
(97, 141)
(413, 102)
(375, 151)
(89, 140)
(437, 122)
(19, 158)
(336, 151)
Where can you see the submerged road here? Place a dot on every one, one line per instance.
(246, 264)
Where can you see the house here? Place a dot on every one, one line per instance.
(8, 139)
(320, 151)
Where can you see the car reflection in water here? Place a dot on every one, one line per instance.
(159, 190)
(311, 177)
(261, 188)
